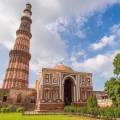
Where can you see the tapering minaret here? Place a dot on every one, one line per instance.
(17, 73)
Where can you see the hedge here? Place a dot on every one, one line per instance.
(110, 112)
(5, 110)
(20, 109)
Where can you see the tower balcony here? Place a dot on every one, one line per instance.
(20, 53)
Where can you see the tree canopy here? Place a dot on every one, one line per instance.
(92, 102)
(112, 86)
(116, 64)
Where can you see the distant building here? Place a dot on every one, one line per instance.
(102, 99)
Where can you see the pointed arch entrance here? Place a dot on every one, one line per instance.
(69, 91)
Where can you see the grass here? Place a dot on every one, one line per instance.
(18, 116)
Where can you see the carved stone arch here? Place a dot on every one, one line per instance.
(69, 91)
(68, 76)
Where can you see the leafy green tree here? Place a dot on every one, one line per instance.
(116, 64)
(112, 86)
(92, 102)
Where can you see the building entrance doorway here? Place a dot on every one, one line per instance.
(68, 91)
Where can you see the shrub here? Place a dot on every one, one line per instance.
(70, 109)
(5, 110)
(67, 109)
(110, 112)
(102, 111)
(92, 102)
(82, 110)
(117, 112)
(73, 109)
(12, 108)
(20, 109)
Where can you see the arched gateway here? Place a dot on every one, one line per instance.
(69, 91)
(61, 86)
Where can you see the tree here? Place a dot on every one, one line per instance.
(92, 102)
(111, 90)
(112, 86)
(116, 64)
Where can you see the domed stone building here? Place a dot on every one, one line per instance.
(60, 86)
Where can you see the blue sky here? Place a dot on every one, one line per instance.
(82, 35)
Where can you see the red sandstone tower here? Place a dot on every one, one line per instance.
(17, 73)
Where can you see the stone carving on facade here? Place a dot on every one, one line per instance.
(51, 91)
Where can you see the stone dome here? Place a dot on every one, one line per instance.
(63, 67)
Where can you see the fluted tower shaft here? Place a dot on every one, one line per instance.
(17, 73)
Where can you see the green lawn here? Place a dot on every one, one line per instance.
(18, 116)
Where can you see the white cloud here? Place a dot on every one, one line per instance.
(49, 19)
(47, 47)
(106, 40)
(76, 55)
(111, 40)
(115, 29)
(54, 4)
(94, 64)
(80, 34)
(59, 25)
(8, 22)
(49, 50)
(97, 63)
(100, 65)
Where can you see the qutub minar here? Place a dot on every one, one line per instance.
(56, 87)
(17, 74)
